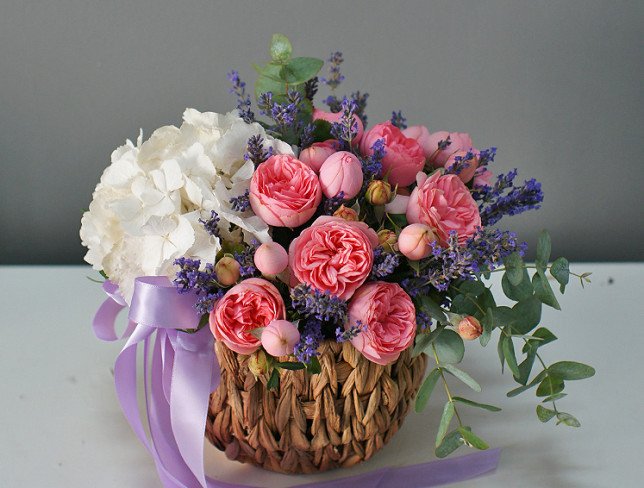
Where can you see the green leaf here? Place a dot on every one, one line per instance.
(425, 390)
(451, 442)
(499, 350)
(463, 304)
(321, 130)
(203, 320)
(463, 376)
(571, 370)
(532, 384)
(290, 365)
(432, 308)
(520, 292)
(488, 326)
(449, 347)
(314, 366)
(104, 275)
(510, 357)
(280, 49)
(525, 368)
(486, 300)
(545, 414)
(567, 419)
(274, 381)
(554, 398)
(550, 385)
(269, 81)
(471, 439)
(503, 316)
(543, 336)
(514, 268)
(560, 270)
(543, 291)
(300, 70)
(528, 315)
(543, 250)
(472, 287)
(423, 341)
(446, 418)
(471, 403)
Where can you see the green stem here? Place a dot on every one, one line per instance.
(534, 267)
(446, 386)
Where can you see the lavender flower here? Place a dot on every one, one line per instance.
(345, 130)
(343, 335)
(241, 203)
(212, 224)
(333, 203)
(486, 156)
(191, 278)
(322, 305)
(246, 261)
(489, 247)
(442, 145)
(423, 321)
(335, 77)
(384, 263)
(372, 165)
(306, 136)
(460, 163)
(334, 103)
(310, 339)
(360, 100)
(243, 99)
(255, 150)
(397, 120)
(311, 88)
(206, 303)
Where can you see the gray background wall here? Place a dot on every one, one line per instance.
(557, 86)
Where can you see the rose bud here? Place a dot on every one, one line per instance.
(334, 118)
(415, 241)
(341, 172)
(317, 153)
(346, 213)
(378, 192)
(388, 239)
(227, 270)
(271, 258)
(468, 166)
(437, 150)
(398, 205)
(279, 338)
(258, 363)
(469, 328)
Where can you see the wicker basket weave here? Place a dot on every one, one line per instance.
(336, 418)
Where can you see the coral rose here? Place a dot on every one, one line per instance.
(251, 304)
(469, 328)
(404, 157)
(390, 319)
(444, 203)
(333, 255)
(284, 192)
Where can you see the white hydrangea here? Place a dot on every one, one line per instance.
(146, 208)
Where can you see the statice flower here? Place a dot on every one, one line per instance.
(255, 151)
(335, 77)
(372, 165)
(384, 263)
(345, 130)
(241, 203)
(343, 335)
(212, 224)
(246, 260)
(489, 246)
(243, 99)
(310, 339)
(322, 305)
(398, 120)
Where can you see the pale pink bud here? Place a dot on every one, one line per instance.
(341, 172)
(279, 338)
(271, 258)
(346, 213)
(469, 328)
(227, 270)
(314, 155)
(415, 241)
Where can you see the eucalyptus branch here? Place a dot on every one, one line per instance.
(446, 386)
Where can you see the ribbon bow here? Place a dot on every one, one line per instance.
(181, 374)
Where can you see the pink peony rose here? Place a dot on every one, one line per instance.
(469, 166)
(390, 319)
(333, 255)
(444, 203)
(314, 155)
(438, 157)
(333, 118)
(415, 240)
(420, 134)
(341, 172)
(270, 258)
(284, 192)
(279, 338)
(404, 157)
(251, 304)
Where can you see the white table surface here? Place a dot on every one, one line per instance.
(61, 425)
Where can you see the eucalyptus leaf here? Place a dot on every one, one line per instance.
(543, 291)
(281, 48)
(446, 418)
(503, 316)
(528, 315)
(571, 370)
(510, 357)
(540, 337)
(567, 419)
(432, 308)
(519, 292)
(423, 341)
(451, 442)
(543, 250)
(471, 403)
(514, 268)
(425, 390)
(499, 350)
(554, 398)
(525, 368)
(300, 70)
(488, 326)
(472, 287)
(545, 414)
(550, 385)
(321, 130)
(560, 270)
(314, 367)
(470, 438)
(463, 376)
(464, 305)
(449, 347)
(532, 384)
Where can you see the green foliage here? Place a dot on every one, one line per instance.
(571, 370)
(463, 376)
(560, 270)
(543, 291)
(300, 70)
(290, 365)
(314, 366)
(526, 315)
(321, 130)
(550, 385)
(471, 403)
(274, 380)
(429, 306)
(449, 347)
(514, 268)
(446, 418)
(567, 419)
(451, 442)
(423, 341)
(545, 414)
(472, 440)
(544, 247)
(507, 347)
(522, 291)
(280, 48)
(425, 390)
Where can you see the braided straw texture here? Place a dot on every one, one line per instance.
(336, 418)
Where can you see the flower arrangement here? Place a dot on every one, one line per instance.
(304, 230)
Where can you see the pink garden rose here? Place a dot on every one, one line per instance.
(404, 157)
(420, 134)
(279, 338)
(333, 255)
(270, 258)
(390, 319)
(482, 177)
(314, 155)
(251, 304)
(334, 118)
(341, 172)
(284, 192)
(444, 203)
(438, 157)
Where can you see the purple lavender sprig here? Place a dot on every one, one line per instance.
(461, 163)
(335, 77)
(333, 203)
(203, 282)
(243, 99)
(343, 335)
(246, 260)
(241, 203)
(322, 305)
(489, 247)
(372, 165)
(384, 263)
(255, 151)
(212, 224)
(310, 338)
(311, 88)
(423, 321)
(206, 303)
(347, 128)
(398, 120)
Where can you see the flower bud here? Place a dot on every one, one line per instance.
(346, 213)
(341, 172)
(469, 328)
(378, 192)
(388, 239)
(227, 270)
(318, 152)
(258, 363)
(270, 258)
(415, 241)
(279, 338)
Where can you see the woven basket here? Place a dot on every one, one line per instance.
(336, 418)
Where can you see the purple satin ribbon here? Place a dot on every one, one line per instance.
(180, 370)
